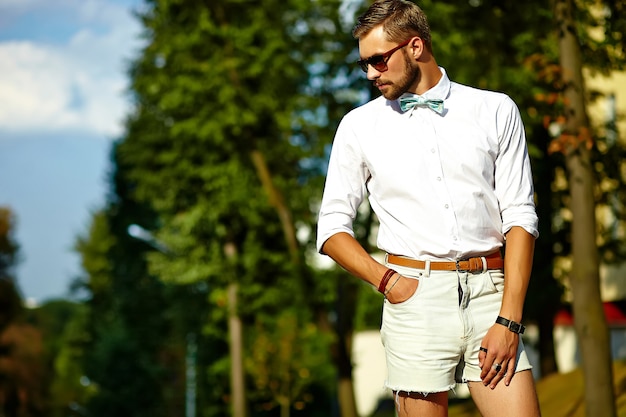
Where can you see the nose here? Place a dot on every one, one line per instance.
(372, 73)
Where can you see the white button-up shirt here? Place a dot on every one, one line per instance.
(443, 186)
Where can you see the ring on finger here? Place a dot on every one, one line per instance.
(497, 367)
(483, 349)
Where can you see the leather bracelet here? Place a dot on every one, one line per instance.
(513, 326)
(385, 280)
(387, 291)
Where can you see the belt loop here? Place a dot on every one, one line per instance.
(482, 258)
(427, 268)
(386, 258)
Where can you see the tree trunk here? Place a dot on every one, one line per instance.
(235, 332)
(347, 302)
(589, 320)
(347, 402)
(236, 354)
(276, 199)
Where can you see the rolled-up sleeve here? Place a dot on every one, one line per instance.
(345, 186)
(513, 181)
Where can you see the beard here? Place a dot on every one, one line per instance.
(410, 77)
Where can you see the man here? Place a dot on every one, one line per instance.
(446, 170)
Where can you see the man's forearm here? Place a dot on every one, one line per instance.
(349, 254)
(518, 261)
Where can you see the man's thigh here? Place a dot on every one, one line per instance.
(519, 399)
(414, 404)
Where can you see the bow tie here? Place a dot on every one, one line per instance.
(407, 103)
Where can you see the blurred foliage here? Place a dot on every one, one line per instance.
(22, 367)
(22, 372)
(289, 355)
(60, 328)
(8, 246)
(227, 147)
(224, 151)
(132, 343)
(10, 299)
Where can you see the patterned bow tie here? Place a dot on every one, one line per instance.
(407, 103)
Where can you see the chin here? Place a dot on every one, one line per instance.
(392, 95)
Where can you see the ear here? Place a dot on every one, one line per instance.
(417, 47)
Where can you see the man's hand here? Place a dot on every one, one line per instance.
(402, 290)
(501, 345)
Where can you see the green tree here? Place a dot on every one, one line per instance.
(132, 344)
(22, 371)
(62, 333)
(10, 300)
(22, 368)
(287, 355)
(225, 148)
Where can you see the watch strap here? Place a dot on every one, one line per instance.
(513, 326)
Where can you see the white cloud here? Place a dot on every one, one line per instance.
(78, 83)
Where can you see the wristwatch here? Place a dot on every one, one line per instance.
(513, 326)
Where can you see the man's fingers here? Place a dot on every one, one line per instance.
(510, 371)
(482, 355)
(496, 372)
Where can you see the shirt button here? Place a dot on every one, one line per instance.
(446, 206)
(438, 178)
(432, 150)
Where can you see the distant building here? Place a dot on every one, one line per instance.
(567, 353)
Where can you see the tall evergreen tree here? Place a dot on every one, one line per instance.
(135, 337)
(10, 300)
(233, 107)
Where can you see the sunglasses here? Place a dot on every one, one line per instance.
(379, 62)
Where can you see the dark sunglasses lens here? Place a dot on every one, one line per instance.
(377, 62)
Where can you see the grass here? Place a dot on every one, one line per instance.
(560, 395)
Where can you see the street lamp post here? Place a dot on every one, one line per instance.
(144, 235)
(190, 376)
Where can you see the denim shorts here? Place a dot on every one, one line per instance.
(432, 339)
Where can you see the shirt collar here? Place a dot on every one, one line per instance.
(440, 91)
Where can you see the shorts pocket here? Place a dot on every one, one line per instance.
(490, 282)
(496, 277)
(418, 290)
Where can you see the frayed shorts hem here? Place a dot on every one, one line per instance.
(423, 392)
(524, 366)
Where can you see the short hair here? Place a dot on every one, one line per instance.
(400, 19)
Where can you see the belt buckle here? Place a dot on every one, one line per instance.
(458, 267)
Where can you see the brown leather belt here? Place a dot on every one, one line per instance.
(493, 261)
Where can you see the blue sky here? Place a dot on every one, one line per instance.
(63, 98)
